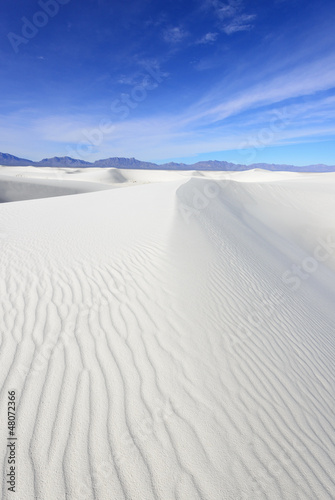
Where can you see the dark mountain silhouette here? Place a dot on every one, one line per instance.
(13, 161)
(132, 163)
(64, 161)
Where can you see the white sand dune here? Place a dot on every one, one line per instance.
(27, 183)
(173, 339)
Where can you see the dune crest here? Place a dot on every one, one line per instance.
(173, 339)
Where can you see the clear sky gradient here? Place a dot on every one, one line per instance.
(241, 80)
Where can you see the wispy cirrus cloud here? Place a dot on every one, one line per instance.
(222, 119)
(303, 80)
(225, 80)
(239, 23)
(175, 35)
(163, 136)
(231, 16)
(235, 110)
(207, 39)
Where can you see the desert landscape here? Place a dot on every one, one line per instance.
(168, 335)
(167, 250)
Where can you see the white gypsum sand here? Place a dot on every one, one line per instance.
(173, 339)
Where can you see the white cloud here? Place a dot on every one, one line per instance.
(304, 80)
(217, 122)
(167, 136)
(174, 35)
(227, 9)
(184, 134)
(239, 23)
(208, 38)
(231, 16)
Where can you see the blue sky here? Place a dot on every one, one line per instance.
(240, 80)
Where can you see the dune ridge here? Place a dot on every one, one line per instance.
(173, 339)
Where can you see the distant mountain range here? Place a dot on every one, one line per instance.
(67, 162)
